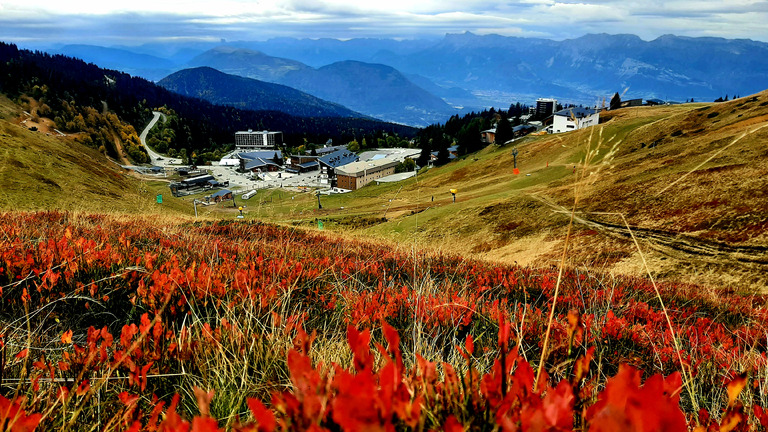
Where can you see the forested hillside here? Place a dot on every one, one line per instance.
(75, 92)
(240, 92)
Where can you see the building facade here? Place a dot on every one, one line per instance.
(574, 118)
(355, 175)
(545, 107)
(257, 140)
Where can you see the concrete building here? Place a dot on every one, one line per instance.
(358, 174)
(257, 140)
(574, 118)
(545, 107)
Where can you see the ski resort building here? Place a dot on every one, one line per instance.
(574, 118)
(358, 174)
(257, 140)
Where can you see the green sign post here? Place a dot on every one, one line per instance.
(319, 224)
(159, 198)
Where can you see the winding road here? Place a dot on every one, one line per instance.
(156, 158)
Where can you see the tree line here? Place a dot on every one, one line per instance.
(465, 132)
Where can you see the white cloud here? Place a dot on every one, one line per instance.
(246, 19)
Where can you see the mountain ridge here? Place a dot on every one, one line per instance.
(500, 70)
(376, 90)
(225, 89)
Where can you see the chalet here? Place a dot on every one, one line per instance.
(355, 175)
(453, 153)
(221, 195)
(574, 118)
(329, 162)
(488, 136)
(302, 163)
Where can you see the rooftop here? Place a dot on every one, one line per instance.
(262, 154)
(356, 168)
(577, 112)
(221, 193)
(337, 158)
(251, 131)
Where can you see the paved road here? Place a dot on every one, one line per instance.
(156, 158)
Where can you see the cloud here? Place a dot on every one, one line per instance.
(144, 20)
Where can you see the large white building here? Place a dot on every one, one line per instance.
(574, 118)
(257, 140)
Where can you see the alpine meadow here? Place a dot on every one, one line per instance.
(438, 218)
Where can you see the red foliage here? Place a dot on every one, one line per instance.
(123, 267)
(14, 419)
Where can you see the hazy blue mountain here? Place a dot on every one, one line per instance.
(472, 70)
(143, 65)
(375, 90)
(324, 51)
(247, 63)
(246, 93)
(594, 66)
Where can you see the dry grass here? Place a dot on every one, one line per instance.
(496, 218)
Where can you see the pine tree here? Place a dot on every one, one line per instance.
(615, 101)
(504, 131)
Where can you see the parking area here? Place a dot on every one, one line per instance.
(247, 181)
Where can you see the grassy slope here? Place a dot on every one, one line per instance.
(40, 172)
(693, 231)
(710, 227)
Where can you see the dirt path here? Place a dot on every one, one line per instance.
(120, 151)
(673, 244)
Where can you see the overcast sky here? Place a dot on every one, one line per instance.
(138, 21)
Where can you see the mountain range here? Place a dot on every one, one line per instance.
(469, 71)
(246, 93)
(376, 90)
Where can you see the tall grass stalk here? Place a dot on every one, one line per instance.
(580, 184)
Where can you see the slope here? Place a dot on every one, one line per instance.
(236, 91)
(689, 179)
(40, 171)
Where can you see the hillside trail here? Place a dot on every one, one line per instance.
(673, 244)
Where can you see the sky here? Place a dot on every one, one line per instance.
(133, 22)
